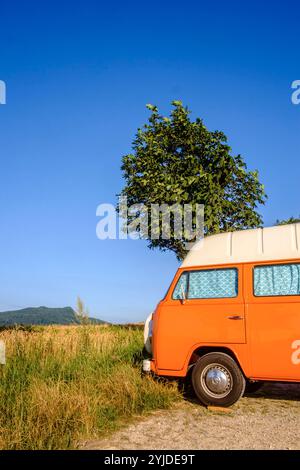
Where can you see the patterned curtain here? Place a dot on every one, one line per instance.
(283, 279)
(213, 284)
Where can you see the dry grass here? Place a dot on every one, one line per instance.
(65, 384)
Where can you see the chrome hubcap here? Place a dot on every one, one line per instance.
(216, 380)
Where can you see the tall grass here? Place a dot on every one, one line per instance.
(64, 384)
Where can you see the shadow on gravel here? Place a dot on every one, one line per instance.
(271, 391)
(278, 391)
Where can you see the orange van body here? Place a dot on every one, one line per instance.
(261, 333)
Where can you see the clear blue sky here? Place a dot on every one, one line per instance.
(78, 77)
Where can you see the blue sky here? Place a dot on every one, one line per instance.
(78, 76)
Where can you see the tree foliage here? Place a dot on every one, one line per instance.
(177, 160)
(291, 220)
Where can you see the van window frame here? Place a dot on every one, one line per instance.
(284, 263)
(188, 271)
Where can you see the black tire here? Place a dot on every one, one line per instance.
(218, 380)
(252, 387)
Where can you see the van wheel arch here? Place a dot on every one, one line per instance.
(199, 352)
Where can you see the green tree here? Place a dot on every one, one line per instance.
(177, 160)
(291, 220)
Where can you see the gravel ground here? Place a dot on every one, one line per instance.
(269, 419)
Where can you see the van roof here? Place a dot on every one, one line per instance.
(264, 244)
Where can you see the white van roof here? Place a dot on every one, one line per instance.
(264, 244)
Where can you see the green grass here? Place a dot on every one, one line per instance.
(65, 384)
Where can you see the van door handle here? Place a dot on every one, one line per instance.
(235, 317)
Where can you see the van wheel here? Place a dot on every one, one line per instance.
(218, 380)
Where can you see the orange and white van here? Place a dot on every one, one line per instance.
(232, 314)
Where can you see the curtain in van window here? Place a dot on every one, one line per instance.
(213, 284)
(282, 279)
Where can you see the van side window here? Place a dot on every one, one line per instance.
(277, 280)
(213, 284)
(181, 286)
(207, 284)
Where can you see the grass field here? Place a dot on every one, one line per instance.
(63, 384)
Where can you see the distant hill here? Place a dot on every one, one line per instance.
(42, 316)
